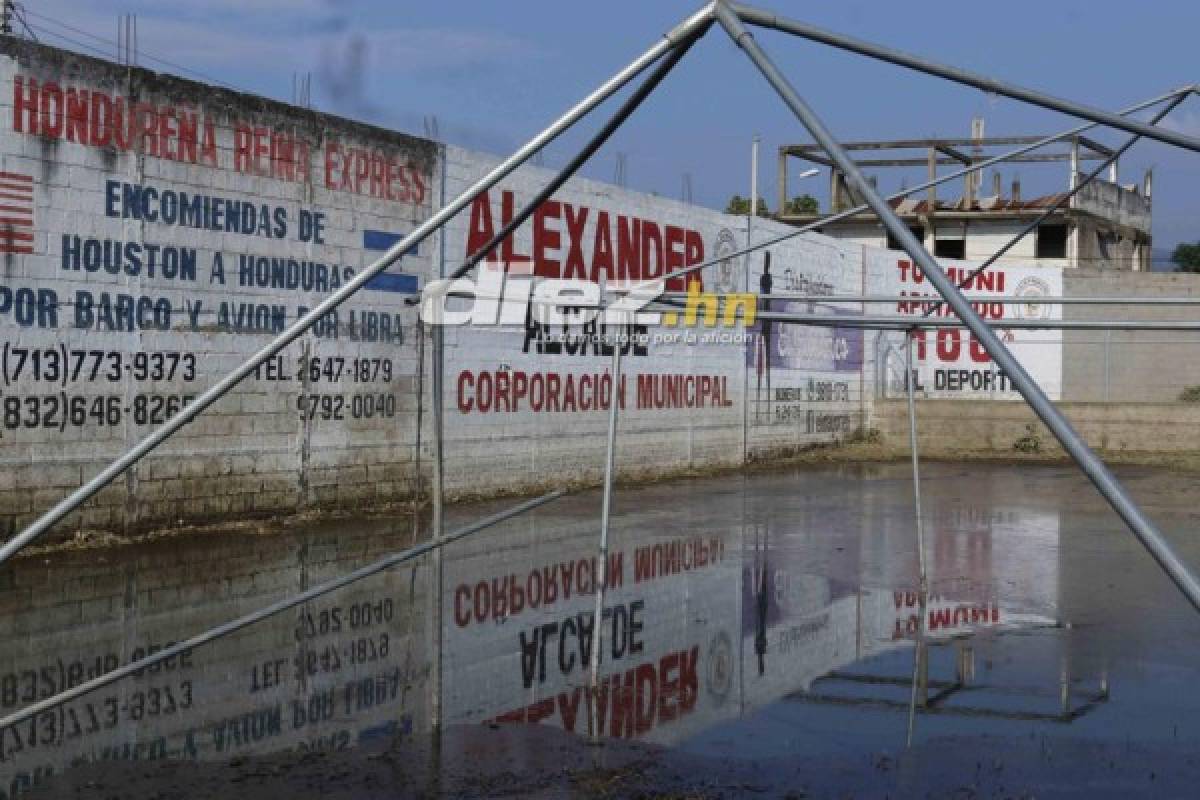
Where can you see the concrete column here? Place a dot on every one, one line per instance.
(1074, 162)
(931, 196)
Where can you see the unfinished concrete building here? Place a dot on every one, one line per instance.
(1106, 225)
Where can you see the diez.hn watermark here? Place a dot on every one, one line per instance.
(502, 299)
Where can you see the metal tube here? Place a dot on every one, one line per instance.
(283, 605)
(437, 488)
(436, 582)
(1107, 484)
(767, 19)
(595, 143)
(1075, 189)
(211, 395)
(1008, 300)
(927, 323)
(923, 575)
(926, 185)
(753, 190)
(614, 402)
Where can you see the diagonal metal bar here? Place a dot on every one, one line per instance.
(595, 143)
(238, 624)
(1107, 484)
(978, 166)
(679, 34)
(910, 383)
(614, 403)
(1008, 300)
(1059, 203)
(897, 322)
(766, 19)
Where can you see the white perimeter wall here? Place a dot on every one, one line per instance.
(98, 350)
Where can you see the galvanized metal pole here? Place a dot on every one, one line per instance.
(899, 323)
(903, 323)
(275, 608)
(922, 573)
(679, 34)
(631, 104)
(919, 667)
(436, 571)
(614, 402)
(753, 193)
(910, 381)
(766, 19)
(1092, 466)
(1063, 199)
(1008, 300)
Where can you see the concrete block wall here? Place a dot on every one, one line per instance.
(333, 422)
(1130, 366)
(947, 426)
(97, 157)
(789, 393)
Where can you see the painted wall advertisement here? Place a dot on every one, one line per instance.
(150, 244)
(950, 362)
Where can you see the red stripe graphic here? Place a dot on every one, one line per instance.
(16, 176)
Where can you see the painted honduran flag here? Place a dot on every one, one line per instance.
(392, 279)
(16, 213)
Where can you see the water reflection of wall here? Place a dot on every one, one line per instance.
(992, 562)
(347, 668)
(518, 631)
(724, 597)
(699, 628)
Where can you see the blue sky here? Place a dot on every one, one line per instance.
(493, 73)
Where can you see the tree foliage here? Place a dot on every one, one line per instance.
(802, 204)
(741, 205)
(1186, 257)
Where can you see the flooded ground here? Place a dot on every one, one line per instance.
(761, 636)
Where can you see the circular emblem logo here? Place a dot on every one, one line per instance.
(720, 667)
(728, 270)
(1030, 290)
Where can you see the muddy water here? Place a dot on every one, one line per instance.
(760, 634)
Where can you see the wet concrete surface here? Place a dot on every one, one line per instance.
(760, 638)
